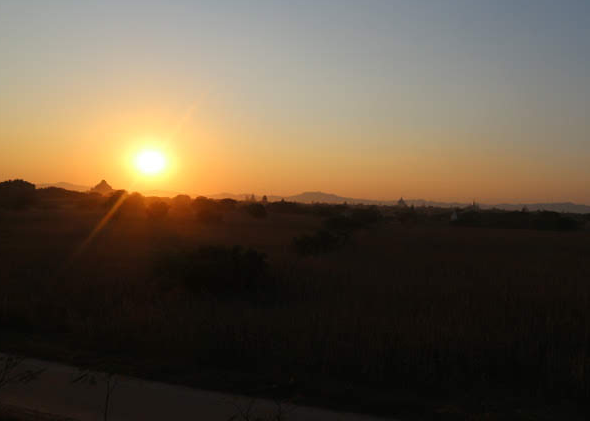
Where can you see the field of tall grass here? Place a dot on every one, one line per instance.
(429, 308)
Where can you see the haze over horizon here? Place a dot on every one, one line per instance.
(439, 100)
(333, 197)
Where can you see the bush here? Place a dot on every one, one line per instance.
(203, 202)
(359, 218)
(323, 210)
(407, 216)
(228, 204)
(256, 210)
(336, 232)
(366, 216)
(217, 269)
(209, 216)
(469, 219)
(133, 206)
(543, 220)
(114, 198)
(208, 210)
(322, 241)
(17, 194)
(546, 220)
(157, 210)
(57, 193)
(341, 224)
(181, 206)
(286, 207)
(90, 201)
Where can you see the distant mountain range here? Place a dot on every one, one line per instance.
(321, 197)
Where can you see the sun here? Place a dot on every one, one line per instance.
(150, 162)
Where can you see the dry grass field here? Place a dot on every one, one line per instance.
(422, 311)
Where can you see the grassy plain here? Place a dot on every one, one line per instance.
(423, 320)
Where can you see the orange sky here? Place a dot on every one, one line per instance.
(375, 102)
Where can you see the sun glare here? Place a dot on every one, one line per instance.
(150, 162)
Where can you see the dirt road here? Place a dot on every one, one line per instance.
(134, 399)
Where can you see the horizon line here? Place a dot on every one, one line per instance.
(345, 198)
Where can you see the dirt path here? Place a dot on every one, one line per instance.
(134, 399)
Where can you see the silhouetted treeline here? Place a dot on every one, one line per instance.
(17, 194)
(337, 228)
(339, 218)
(541, 220)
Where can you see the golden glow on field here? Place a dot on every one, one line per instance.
(150, 162)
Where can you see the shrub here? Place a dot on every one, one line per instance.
(157, 210)
(209, 216)
(228, 204)
(366, 216)
(322, 241)
(52, 195)
(203, 202)
(133, 206)
(90, 201)
(181, 206)
(17, 194)
(407, 215)
(359, 218)
(324, 210)
(217, 269)
(256, 210)
(546, 220)
(341, 224)
(208, 210)
(469, 219)
(286, 207)
(114, 198)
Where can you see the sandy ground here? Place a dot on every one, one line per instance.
(134, 399)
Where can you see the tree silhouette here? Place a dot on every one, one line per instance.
(17, 194)
(257, 210)
(157, 210)
(181, 206)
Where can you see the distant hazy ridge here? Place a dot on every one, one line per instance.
(321, 197)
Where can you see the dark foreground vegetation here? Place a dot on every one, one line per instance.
(412, 312)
